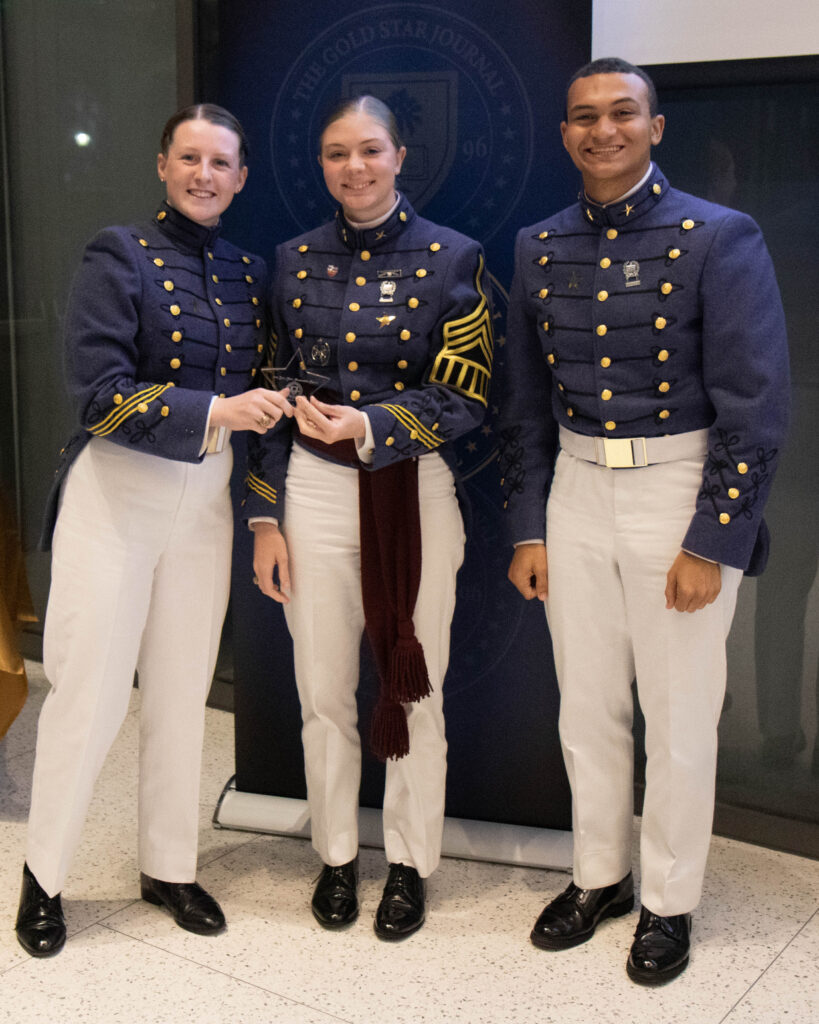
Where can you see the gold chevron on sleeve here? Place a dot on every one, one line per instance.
(465, 361)
(120, 413)
(260, 487)
(413, 425)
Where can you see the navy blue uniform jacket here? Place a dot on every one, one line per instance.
(162, 316)
(398, 320)
(656, 315)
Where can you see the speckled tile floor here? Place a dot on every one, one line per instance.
(755, 959)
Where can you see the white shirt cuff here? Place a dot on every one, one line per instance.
(215, 438)
(704, 559)
(365, 448)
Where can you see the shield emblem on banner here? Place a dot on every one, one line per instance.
(425, 104)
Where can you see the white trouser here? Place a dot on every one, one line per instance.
(140, 576)
(612, 536)
(325, 618)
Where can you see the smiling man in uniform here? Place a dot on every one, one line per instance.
(646, 393)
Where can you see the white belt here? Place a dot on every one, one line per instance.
(634, 452)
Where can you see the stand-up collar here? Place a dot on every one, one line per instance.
(631, 208)
(371, 238)
(184, 231)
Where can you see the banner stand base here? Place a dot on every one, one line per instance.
(500, 843)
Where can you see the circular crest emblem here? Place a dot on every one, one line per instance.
(460, 106)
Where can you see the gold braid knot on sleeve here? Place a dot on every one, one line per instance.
(465, 361)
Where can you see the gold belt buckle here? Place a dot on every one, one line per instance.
(624, 452)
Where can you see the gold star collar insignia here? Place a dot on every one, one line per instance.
(386, 320)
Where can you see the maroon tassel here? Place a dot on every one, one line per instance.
(389, 733)
(407, 679)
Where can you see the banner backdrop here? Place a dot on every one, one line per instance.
(477, 89)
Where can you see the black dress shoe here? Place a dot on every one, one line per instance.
(401, 910)
(660, 948)
(191, 907)
(572, 916)
(40, 923)
(335, 902)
